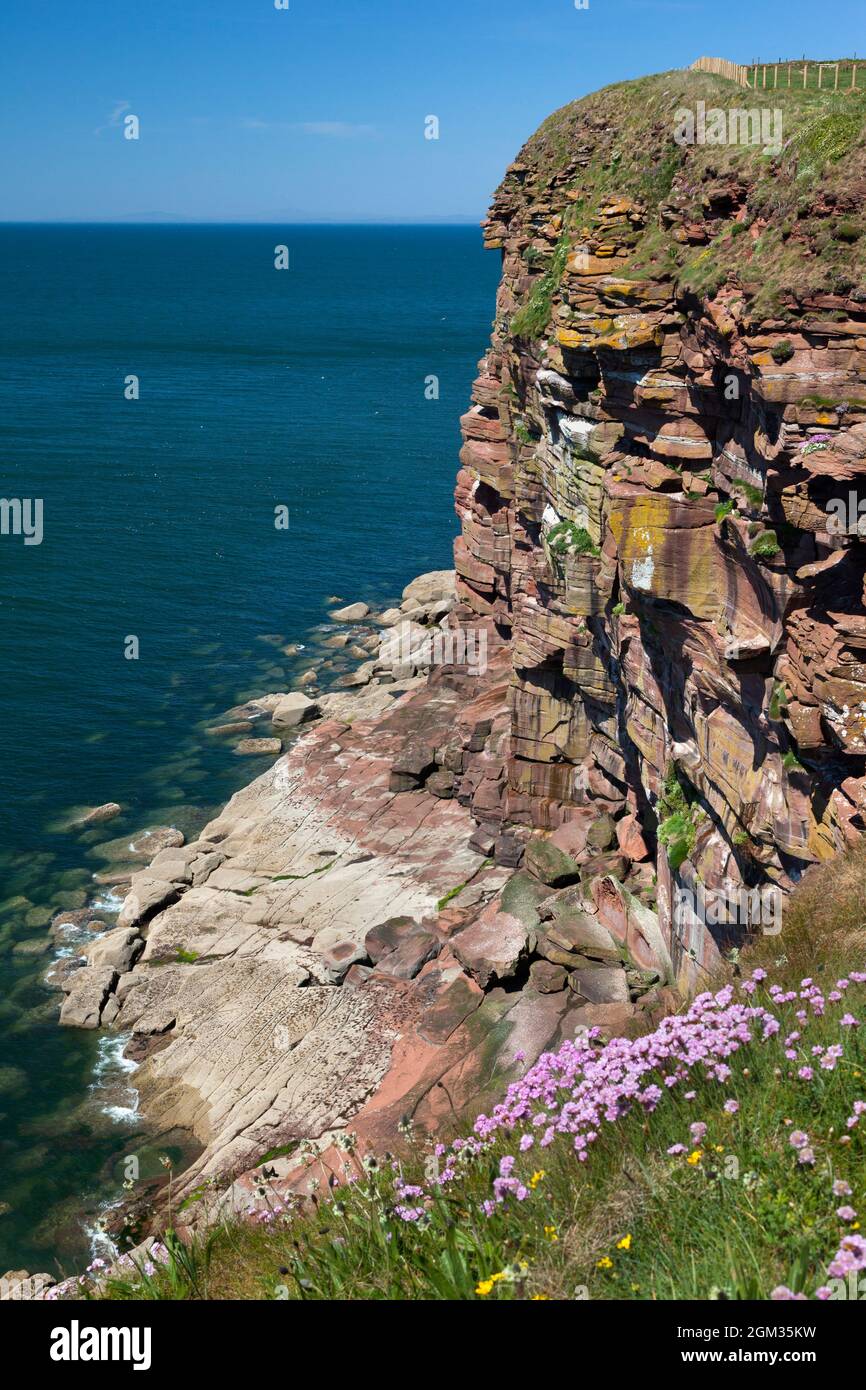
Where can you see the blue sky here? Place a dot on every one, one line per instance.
(317, 113)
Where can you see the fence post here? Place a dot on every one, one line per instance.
(854, 76)
(820, 75)
(836, 83)
(805, 75)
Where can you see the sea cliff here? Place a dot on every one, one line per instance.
(441, 883)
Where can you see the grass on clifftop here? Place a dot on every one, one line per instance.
(724, 1157)
(799, 228)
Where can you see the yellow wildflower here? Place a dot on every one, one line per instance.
(486, 1285)
(550, 1232)
(694, 1157)
(538, 1297)
(624, 1244)
(536, 1179)
(605, 1263)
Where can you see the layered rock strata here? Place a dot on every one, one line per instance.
(651, 479)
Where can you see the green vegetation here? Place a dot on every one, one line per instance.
(533, 318)
(522, 434)
(753, 495)
(566, 539)
(678, 819)
(782, 351)
(765, 544)
(724, 509)
(450, 895)
(791, 763)
(778, 706)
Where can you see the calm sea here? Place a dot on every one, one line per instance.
(258, 388)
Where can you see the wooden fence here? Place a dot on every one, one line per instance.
(829, 76)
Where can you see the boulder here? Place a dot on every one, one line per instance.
(338, 952)
(386, 937)
(492, 947)
(411, 766)
(259, 747)
(601, 834)
(414, 949)
(600, 984)
(353, 613)
(96, 816)
(116, 950)
(577, 931)
(549, 864)
(630, 839)
(546, 977)
(84, 1003)
(294, 709)
(147, 896)
(431, 588)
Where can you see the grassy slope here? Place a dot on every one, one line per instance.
(805, 204)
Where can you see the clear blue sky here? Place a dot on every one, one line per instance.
(317, 113)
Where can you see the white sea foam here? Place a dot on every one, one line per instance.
(112, 901)
(109, 1072)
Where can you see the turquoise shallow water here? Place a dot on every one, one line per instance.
(258, 388)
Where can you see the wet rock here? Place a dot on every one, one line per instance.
(96, 816)
(259, 747)
(353, 613)
(237, 726)
(141, 846)
(89, 990)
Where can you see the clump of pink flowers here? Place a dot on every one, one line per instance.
(570, 1096)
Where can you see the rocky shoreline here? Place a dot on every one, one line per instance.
(346, 947)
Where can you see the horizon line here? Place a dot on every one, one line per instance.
(238, 222)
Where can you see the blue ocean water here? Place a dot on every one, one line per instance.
(258, 388)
